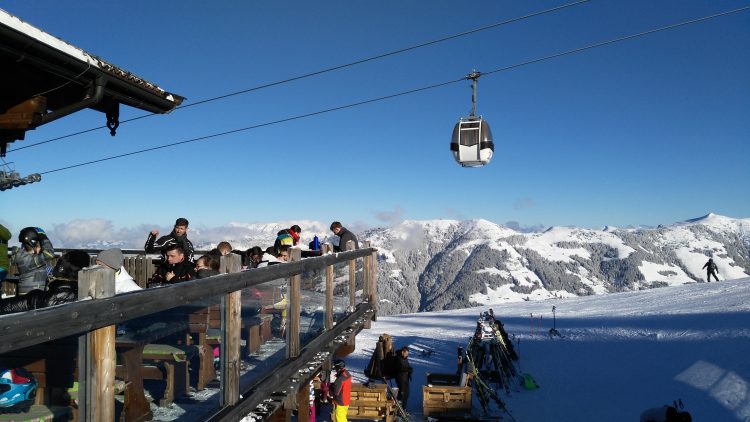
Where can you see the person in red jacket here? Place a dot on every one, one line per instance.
(341, 391)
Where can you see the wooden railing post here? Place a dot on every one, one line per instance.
(327, 248)
(142, 265)
(97, 357)
(352, 277)
(374, 285)
(367, 279)
(294, 308)
(366, 275)
(231, 325)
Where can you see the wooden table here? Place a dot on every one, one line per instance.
(139, 333)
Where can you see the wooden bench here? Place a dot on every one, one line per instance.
(371, 403)
(444, 396)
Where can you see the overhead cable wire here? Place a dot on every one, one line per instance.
(412, 91)
(616, 40)
(326, 70)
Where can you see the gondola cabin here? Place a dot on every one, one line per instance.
(472, 144)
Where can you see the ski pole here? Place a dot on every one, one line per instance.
(554, 319)
(540, 323)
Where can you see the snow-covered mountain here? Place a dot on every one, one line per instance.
(448, 264)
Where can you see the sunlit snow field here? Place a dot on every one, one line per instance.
(620, 353)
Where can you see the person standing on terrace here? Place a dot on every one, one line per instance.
(177, 236)
(344, 236)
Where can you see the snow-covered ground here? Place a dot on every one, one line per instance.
(620, 353)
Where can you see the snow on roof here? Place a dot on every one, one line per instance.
(33, 32)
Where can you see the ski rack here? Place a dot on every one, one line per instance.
(488, 338)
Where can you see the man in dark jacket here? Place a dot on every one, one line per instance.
(344, 236)
(177, 236)
(711, 269)
(174, 269)
(403, 375)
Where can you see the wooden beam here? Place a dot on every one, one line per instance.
(294, 308)
(328, 248)
(367, 283)
(99, 358)
(352, 277)
(374, 288)
(231, 323)
(29, 328)
(303, 403)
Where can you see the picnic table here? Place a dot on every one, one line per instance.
(132, 340)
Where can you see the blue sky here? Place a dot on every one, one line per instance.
(648, 131)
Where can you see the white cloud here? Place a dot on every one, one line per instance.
(390, 217)
(524, 203)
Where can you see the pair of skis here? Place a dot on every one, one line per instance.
(400, 409)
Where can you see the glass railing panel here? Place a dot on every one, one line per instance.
(265, 323)
(312, 305)
(341, 305)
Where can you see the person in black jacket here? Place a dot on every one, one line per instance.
(177, 236)
(344, 236)
(175, 268)
(403, 375)
(711, 269)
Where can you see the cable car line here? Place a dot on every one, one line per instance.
(616, 40)
(412, 91)
(322, 71)
(229, 132)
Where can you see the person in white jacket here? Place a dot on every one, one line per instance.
(112, 258)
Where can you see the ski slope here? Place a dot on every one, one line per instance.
(620, 353)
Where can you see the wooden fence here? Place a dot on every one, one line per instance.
(94, 316)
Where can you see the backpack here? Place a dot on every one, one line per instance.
(389, 365)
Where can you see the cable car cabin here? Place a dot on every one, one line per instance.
(472, 142)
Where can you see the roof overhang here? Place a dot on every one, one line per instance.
(45, 78)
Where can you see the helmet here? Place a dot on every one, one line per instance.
(17, 388)
(29, 237)
(339, 364)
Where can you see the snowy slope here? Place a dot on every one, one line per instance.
(621, 353)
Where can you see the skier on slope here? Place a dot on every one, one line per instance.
(711, 269)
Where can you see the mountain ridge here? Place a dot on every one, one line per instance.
(474, 262)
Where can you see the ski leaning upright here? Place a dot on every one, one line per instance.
(399, 408)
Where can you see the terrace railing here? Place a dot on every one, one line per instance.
(292, 318)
